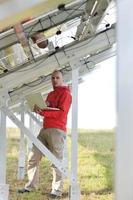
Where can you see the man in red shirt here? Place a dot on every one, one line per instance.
(52, 134)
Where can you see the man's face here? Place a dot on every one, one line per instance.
(57, 79)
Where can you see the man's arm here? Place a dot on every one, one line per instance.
(64, 105)
(36, 109)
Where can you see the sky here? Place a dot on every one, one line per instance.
(96, 98)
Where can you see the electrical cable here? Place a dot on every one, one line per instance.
(70, 14)
(32, 67)
(41, 80)
(74, 48)
(31, 30)
(41, 24)
(51, 20)
(57, 60)
(72, 37)
(89, 61)
(107, 38)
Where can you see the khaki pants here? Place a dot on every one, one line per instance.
(53, 139)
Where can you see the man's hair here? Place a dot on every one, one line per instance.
(57, 71)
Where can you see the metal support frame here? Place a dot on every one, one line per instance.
(33, 117)
(8, 38)
(38, 144)
(74, 188)
(4, 188)
(67, 76)
(29, 142)
(21, 162)
(65, 154)
(124, 135)
(10, 82)
(84, 48)
(32, 123)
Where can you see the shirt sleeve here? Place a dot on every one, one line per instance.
(64, 105)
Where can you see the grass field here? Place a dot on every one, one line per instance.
(95, 167)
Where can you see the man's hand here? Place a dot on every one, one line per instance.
(37, 109)
(47, 103)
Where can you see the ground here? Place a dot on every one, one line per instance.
(95, 167)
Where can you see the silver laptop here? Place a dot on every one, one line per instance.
(37, 99)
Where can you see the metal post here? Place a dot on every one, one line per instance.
(34, 126)
(65, 154)
(74, 189)
(31, 128)
(32, 116)
(21, 162)
(4, 188)
(124, 136)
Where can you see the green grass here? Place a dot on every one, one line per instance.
(95, 168)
